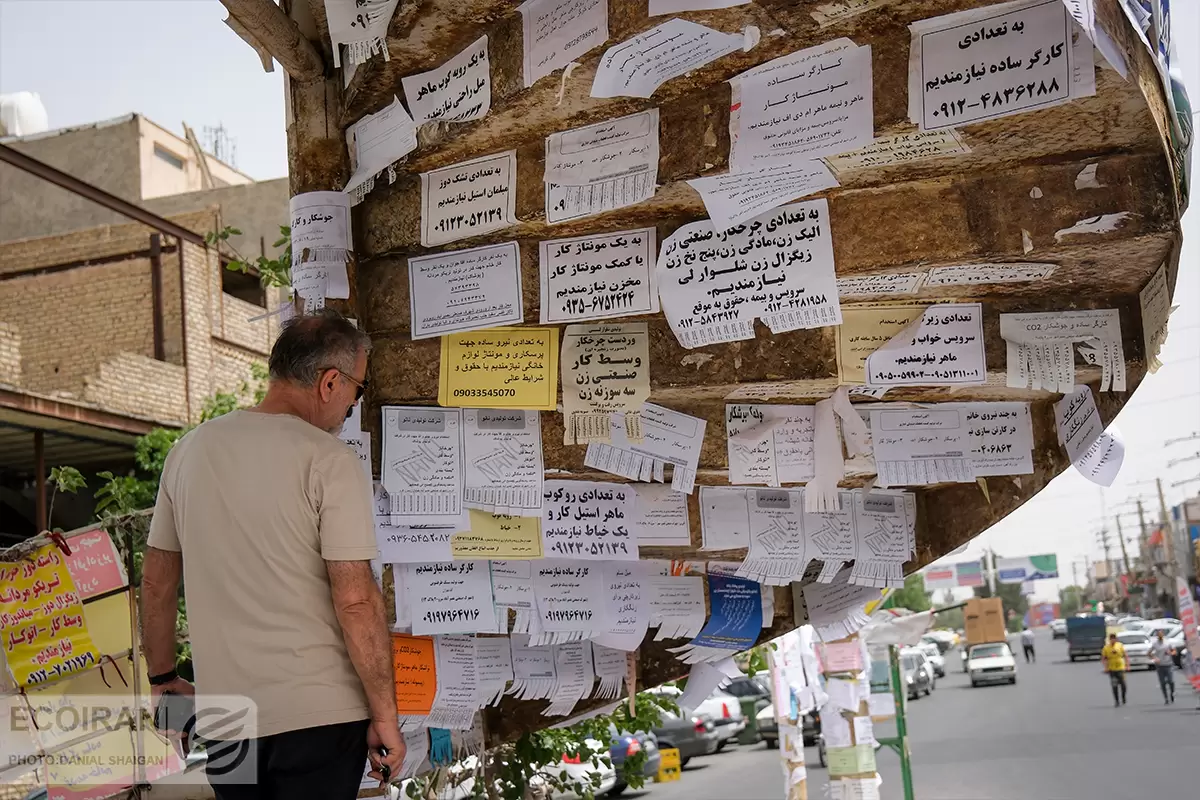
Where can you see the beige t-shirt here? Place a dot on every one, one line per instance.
(257, 503)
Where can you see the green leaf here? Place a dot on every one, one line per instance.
(67, 479)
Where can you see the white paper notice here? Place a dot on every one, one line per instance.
(570, 595)
(405, 544)
(837, 610)
(422, 465)
(468, 199)
(662, 517)
(944, 349)
(626, 612)
(724, 518)
(557, 32)
(831, 536)
(885, 523)
(900, 148)
(1155, 302)
(1041, 352)
(777, 267)
(494, 668)
(503, 456)
(573, 670)
(605, 370)
(921, 446)
(589, 521)
(777, 554)
(321, 245)
(533, 669)
(660, 8)
(451, 597)
(378, 141)
(676, 605)
(977, 274)
(360, 25)
(1081, 433)
(601, 167)
(814, 102)
(456, 699)
(999, 437)
(669, 437)
(598, 277)
(871, 285)
(512, 585)
(736, 197)
(637, 67)
(770, 444)
(995, 61)
(882, 704)
(610, 670)
(458, 91)
(465, 290)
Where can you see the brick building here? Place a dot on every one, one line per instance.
(108, 328)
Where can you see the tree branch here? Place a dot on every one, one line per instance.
(278, 35)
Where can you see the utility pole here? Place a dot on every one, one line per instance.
(1169, 540)
(1130, 578)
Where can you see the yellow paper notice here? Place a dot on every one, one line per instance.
(500, 368)
(864, 329)
(850, 760)
(498, 536)
(109, 623)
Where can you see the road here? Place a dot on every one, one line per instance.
(1055, 735)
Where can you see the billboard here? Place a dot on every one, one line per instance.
(940, 578)
(969, 573)
(1026, 568)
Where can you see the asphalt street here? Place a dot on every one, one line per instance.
(1055, 735)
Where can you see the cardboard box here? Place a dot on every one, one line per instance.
(984, 620)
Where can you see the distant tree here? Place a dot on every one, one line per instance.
(949, 619)
(912, 596)
(1070, 600)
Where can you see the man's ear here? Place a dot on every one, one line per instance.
(327, 383)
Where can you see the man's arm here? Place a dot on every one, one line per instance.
(161, 572)
(361, 614)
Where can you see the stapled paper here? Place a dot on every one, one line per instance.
(662, 517)
(377, 141)
(360, 25)
(601, 167)
(778, 549)
(900, 148)
(724, 518)
(770, 444)
(450, 597)
(321, 246)
(921, 446)
(1155, 302)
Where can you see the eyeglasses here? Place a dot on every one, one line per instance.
(361, 387)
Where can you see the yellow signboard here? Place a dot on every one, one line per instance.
(500, 368)
(498, 536)
(42, 626)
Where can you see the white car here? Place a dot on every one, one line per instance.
(935, 657)
(1058, 629)
(720, 708)
(1169, 627)
(991, 663)
(1137, 649)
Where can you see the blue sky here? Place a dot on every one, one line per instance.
(174, 60)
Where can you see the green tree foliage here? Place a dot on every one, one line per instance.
(953, 618)
(911, 596)
(275, 271)
(1070, 601)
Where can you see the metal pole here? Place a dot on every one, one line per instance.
(42, 521)
(1169, 541)
(898, 694)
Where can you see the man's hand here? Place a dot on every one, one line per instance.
(385, 736)
(177, 686)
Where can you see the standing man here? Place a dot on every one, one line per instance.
(1027, 644)
(269, 519)
(1164, 662)
(1113, 659)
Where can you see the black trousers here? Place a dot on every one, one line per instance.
(1029, 655)
(324, 763)
(1118, 684)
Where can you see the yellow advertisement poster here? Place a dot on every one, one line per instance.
(500, 368)
(42, 626)
(854, 760)
(864, 329)
(498, 536)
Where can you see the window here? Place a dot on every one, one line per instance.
(169, 157)
(243, 287)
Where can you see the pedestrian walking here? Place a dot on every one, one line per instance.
(1027, 644)
(1112, 657)
(1162, 656)
(269, 519)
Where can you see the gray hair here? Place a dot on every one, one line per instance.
(310, 344)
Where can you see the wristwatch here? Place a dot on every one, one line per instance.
(165, 678)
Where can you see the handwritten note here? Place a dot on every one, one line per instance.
(737, 197)
(422, 465)
(1101, 462)
(465, 290)
(637, 67)
(499, 536)
(458, 91)
(669, 437)
(814, 102)
(606, 371)
(869, 285)
(866, 328)
(414, 668)
(503, 456)
(1095, 453)
(589, 521)
(512, 585)
(900, 148)
(944, 349)
(1041, 351)
(724, 518)
(777, 554)
(770, 444)
(1155, 303)
(980, 274)
(95, 564)
(450, 597)
(777, 267)
(921, 446)
(598, 277)
(42, 628)
(988, 63)
(467, 199)
(321, 245)
(377, 141)
(570, 595)
(662, 517)
(557, 32)
(601, 167)
(500, 368)
(361, 26)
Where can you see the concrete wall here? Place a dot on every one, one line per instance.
(105, 155)
(161, 177)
